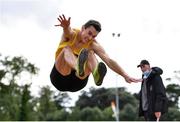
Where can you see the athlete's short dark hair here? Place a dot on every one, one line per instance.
(93, 23)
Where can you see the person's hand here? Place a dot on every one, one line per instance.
(130, 79)
(158, 115)
(63, 21)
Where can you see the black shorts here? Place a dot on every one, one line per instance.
(67, 83)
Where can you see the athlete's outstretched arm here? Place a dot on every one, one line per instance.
(112, 64)
(65, 24)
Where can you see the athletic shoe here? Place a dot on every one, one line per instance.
(81, 62)
(99, 73)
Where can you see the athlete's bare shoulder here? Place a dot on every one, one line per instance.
(96, 47)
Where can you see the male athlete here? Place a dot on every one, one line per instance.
(75, 57)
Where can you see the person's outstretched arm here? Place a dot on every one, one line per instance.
(65, 24)
(112, 64)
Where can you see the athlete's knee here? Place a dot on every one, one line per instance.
(92, 61)
(63, 69)
(67, 51)
(91, 54)
(65, 72)
(92, 57)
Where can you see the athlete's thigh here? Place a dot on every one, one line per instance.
(61, 64)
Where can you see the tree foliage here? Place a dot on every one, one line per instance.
(11, 94)
(173, 93)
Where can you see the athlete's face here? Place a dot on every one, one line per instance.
(88, 34)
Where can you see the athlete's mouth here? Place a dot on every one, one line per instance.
(85, 40)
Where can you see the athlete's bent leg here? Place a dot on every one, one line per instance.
(66, 61)
(98, 69)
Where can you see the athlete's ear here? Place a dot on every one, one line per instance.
(83, 27)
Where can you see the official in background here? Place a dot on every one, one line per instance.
(153, 100)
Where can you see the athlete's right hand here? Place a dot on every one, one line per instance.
(63, 21)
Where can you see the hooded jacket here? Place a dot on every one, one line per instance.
(156, 94)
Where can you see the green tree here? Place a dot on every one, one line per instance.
(91, 114)
(128, 113)
(61, 99)
(173, 93)
(96, 97)
(172, 114)
(127, 98)
(46, 105)
(11, 70)
(75, 114)
(27, 105)
(108, 114)
(58, 115)
(102, 99)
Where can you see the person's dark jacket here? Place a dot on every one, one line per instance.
(156, 95)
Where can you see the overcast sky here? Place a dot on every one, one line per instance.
(149, 30)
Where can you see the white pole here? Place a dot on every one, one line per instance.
(117, 95)
(117, 100)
